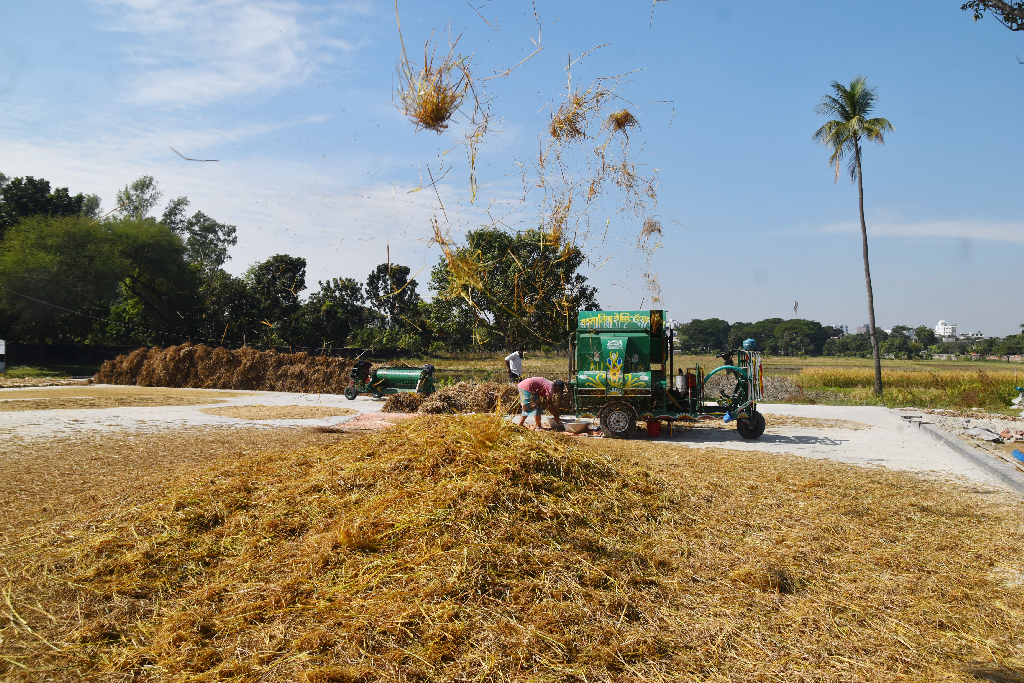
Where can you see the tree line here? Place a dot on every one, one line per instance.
(779, 337)
(71, 275)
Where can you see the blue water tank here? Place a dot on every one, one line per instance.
(749, 344)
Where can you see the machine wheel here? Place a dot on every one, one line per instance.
(351, 393)
(618, 419)
(751, 428)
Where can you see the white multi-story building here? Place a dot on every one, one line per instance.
(945, 330)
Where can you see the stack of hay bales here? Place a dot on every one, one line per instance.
(196, 366)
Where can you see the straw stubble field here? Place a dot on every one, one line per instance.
(463, 548)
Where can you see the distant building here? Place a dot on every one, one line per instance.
(863, 329)
(842, 328)
(971, 335)
(947, 331)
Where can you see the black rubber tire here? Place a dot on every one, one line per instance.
(351, 393)
(618, 420)
(752, 428)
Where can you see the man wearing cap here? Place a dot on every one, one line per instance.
(514, 363)
(535, 393)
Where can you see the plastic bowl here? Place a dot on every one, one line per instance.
(576, 427)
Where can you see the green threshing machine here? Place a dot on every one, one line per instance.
(364, 379)
(622, 370)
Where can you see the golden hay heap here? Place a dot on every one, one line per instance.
(202, 367)
(402, 402)
(464, 548)
(471, 397)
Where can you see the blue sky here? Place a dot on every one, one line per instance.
(295, 99)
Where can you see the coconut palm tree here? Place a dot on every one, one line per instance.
(850, 107)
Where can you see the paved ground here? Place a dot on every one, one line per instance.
(866, 436)
(882, 438)
(44, 423)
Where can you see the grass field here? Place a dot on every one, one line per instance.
(24, 371)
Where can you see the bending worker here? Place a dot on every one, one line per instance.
(535, 394)
(514, 363)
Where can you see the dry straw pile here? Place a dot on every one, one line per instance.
(471, 397)
(202, 367)
(402, 402)
(463, 548)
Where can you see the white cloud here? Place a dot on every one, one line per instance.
(190, 52)
(975, 230)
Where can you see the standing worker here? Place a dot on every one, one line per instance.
(535, 393)
(514, 363)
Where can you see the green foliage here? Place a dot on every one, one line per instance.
(1009, 14)
(206, 241)
(849, 345)
(774, 336)
(390, 292)
(703, 336)
(332, 313)
(925, 336)
(230, 313)
(275, 285)
(157, 277)
(850, 106)
(58, 276)
(508, 289)
(136, 200)
(898, 344)
(21, 198)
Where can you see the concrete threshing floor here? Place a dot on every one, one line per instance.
(140, 409)
(861, 435)
(869, 436)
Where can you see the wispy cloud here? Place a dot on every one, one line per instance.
(961, 229)
(190, 52)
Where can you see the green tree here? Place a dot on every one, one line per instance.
(509, 288)
(925, 335)
(137, 199)
(1009, 14)
(849, 346)
(28, 196)
(737, 334)
(275, 285)
(391, 292)
(1012, 345)
(763, 332)
(157, 283)
(230, 312)
(851, 105)
(332, 313)
(898, 343)
(801, 337)
(704, 335)
(206, 241)
(58, 277)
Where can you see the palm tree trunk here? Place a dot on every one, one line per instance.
(867, 278)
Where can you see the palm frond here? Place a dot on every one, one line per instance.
(849, 107)
(875, 129)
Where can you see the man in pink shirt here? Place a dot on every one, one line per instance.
(535, 393)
